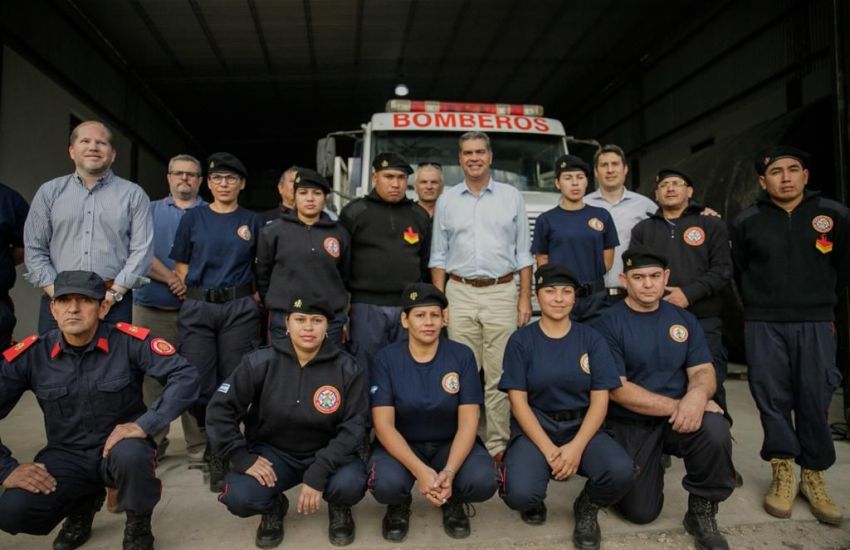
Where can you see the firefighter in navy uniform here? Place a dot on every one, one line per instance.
(303, 402)
(697, 247)
(791, 251)
(664, 403)
(557, 374)
(87, 377)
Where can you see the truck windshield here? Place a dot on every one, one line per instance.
(525, 161)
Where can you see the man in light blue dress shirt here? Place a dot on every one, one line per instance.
(480, 240)
(90, 220)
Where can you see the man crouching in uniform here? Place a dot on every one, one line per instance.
(87, 377)
(664, 404)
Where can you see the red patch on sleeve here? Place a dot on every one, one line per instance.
(161, 346)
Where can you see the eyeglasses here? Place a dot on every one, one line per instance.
(218, 179)
(181, 173)
(675, 184)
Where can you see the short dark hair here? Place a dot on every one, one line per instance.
(609, 148)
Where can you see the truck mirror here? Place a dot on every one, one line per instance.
(325, 154)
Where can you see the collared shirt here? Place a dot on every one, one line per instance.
(166, 217)
(106, 229)
(481, 237)
(627, 212)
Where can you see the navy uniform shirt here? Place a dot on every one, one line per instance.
(219, 248)
(318, 410)
(576, 239)
(85, 392)
(653, 349)
(558, 373)
(426, 396)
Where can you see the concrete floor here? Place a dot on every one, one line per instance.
(189, 516)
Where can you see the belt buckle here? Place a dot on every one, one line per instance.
(215, 295)
(613, 291)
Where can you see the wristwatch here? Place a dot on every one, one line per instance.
(116, 296)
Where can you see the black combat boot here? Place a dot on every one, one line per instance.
(586, 535)
(77, 527)
(455, 519)
(137, 532)
(270, 530)
(701, 523)
(340, 525)
(396, 521)
(535, 516)
(217, 472)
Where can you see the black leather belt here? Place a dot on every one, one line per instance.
(588, 289)
(566, 416)
(482, 282)
(219, 295)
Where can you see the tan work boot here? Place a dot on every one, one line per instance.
(780, 498)
(814, 489)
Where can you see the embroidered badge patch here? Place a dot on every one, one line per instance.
(326, 399)
(596, 224)
(451, 382)
(244, 232)
(822, 224)
(678, 333)
(824, 245)
(584, 363)
(331, 246)
(694, 236)
(411, 236)
(161, 346)
(224, 388)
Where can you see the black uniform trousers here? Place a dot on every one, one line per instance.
(390, 482)
(7, 320)
(81, 477)
(792, 368)
(708, 462)
(244, 496)
(713, 329)
(525, 473)
(214, 338)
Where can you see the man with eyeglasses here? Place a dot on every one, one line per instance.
(90, 220)
(697, 248)
(157, 305)
(429, 185)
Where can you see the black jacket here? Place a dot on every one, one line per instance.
(293, 257)
(790, 266)
(318, 410)
(697, 248)
(390, 247)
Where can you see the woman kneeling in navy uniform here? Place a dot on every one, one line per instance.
(557, 374)
(303, 402)
(426, 396)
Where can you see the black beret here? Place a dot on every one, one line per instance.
(79, 282)
(554, 275)
(391, 161)
(667, 172)
(571, 163)
(304, 177)
(641, 256)
(310, 303)
(770, 155)
(422, 294)
(225, 162)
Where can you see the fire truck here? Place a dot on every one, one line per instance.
(525, 145)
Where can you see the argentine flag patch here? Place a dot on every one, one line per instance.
(373, 390)
(224, 388)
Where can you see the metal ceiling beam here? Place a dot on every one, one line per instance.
(202, 21)
(261, 37)
(498, 33)
(447, 48)
(153, 30)
(405, 39)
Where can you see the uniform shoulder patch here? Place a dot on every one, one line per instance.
(12, 353)
(161, 346)
(133, 330)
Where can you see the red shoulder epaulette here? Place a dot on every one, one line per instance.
(133, 330)
(12, 353)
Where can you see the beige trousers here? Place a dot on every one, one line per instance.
(484, 318)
